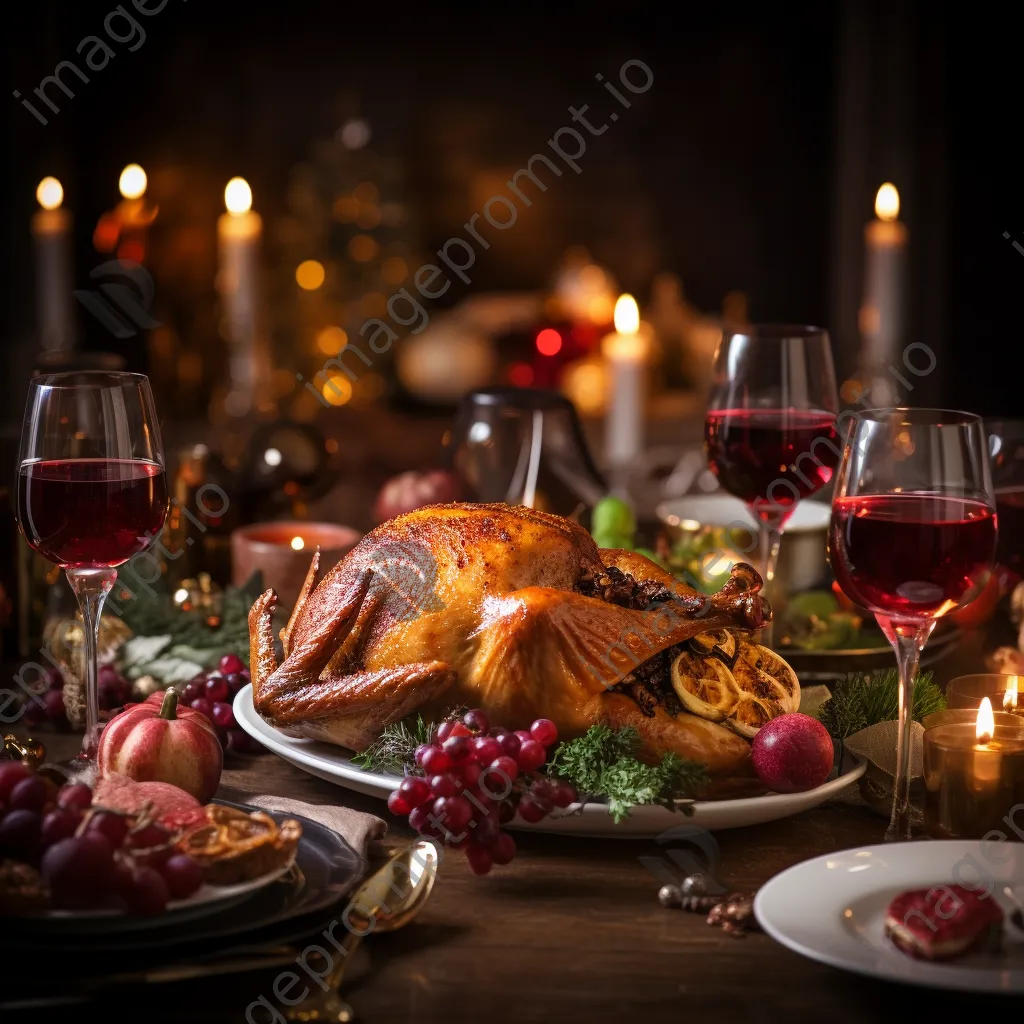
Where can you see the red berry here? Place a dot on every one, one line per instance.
(506, 811)
(444, 730)
(442, 785)
(34, 714)
(524, 735)
(485, 749)
(564, 794)
(75, 795)
(231, 663)
(453, 813)
(113, 827)
(148, 836)
(19, 835)
(59, 824)
(531, 756)
(223, 716)
(510, 744)
(498, 731)
(436, 761)
(468, 774)
(194, 689)
(530, 810)
(182, 875)
(397, 804)
(148, 893)
(504, 849)
(421, 752)
(479, 858)
(31, 794)
(11, 773)
(457, 748)
(414, 790)
(496, 780)
(53, 702)
(544, 731)
(476, 721)
(203, 706)
(79, 870)
(235, 681)
(217, 689)
(419, 820)
(486, 832)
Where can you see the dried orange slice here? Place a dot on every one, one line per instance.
(705, 686)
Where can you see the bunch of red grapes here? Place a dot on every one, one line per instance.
(211, 694)
(114, 692)
(89, 856)
(476, 779)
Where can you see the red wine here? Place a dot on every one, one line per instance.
(771, 458)
(91, 512)
(914, 555)
(1010, 507)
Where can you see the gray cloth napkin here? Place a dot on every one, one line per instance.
(357, 828)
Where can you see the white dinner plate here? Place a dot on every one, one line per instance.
(208, 899)
(833, 908)
(334, 764)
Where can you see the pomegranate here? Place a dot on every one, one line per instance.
(792, 753)
(156, 741)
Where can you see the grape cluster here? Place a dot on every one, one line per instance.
(211, 694)
(476, 779)
(89, 856)
(114, 692)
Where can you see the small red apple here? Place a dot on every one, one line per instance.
(792, 753)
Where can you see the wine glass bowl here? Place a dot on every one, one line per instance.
(92, 488)
(912, 537)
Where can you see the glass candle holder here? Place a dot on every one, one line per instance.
(1006, 692)
(972, 787)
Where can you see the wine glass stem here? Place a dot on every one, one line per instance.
(907, 643)
(91, 587)
(770, 539)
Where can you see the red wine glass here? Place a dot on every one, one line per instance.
(770, 431)
(912, 537)
(92, 488)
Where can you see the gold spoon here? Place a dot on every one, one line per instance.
(388, 900)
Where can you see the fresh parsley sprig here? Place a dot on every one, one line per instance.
(603, 763)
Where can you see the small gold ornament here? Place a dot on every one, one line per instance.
(29, 751)
(146, 686)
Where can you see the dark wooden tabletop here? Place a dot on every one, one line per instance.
(571, 930)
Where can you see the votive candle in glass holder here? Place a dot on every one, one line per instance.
(1006, 692)
(973, 772)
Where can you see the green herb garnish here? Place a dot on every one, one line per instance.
(392, 751)
(603, 763)
(861, 700)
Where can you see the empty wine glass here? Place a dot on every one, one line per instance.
(92, 489)
(912, 537)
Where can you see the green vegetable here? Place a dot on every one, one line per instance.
(613, 540)
(861, 700)
(612, 517)
(603, 763)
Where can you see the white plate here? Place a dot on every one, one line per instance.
(832, 909)
(334, 764)
(208, 899)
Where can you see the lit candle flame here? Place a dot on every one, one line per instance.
(627, 315)
(986, 724)
(1010, 696)
(298, 543)
(180, 596)
(887, 202)
(50, 193)
(132, 182)
(238, 196)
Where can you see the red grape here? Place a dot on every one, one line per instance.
(486, 832)
(397, 804)
(182, 875)
(479, 799)
(148, 836)
(506, 811)
(531, 756)
(11, 773)
(453, 812)
(485, 749)
(34, 714)
(147, 893)
(415, 791)
(544, 731)
(217, 689)
(74, 795)
(235, 682)
(476, 720)
(113, 827)
(240, 742)
(31, 794)
(542, 800)
(246, 677)
(107, 674)
(498, 731)
(457, 748)
(479, 858)
(231, 663)
(504, 849)
(419, 820)
(223, 715)
(59, 824)
(496, 780)
(442, 785)
(444, 730)
(436, 761)
(543, 789)
(194, 689)
(53, 702)
(203, 706)
(19, 835)
(530, 810)
(468, 774)
(79, 870)
(564, 794)
(524, 735)
(421, 752)
(510, 744)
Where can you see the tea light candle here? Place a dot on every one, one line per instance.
(973, 772)
(1002, 690)
(282, 552)
(626, 355)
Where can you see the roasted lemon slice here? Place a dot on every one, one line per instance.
(719, 642)
(705, 686)
(764, 675)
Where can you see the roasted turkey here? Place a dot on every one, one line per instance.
(504, 608)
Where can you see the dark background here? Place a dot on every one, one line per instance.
(751, 163)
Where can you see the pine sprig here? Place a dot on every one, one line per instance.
(392, 752)
(603, 763)
(861, 700)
